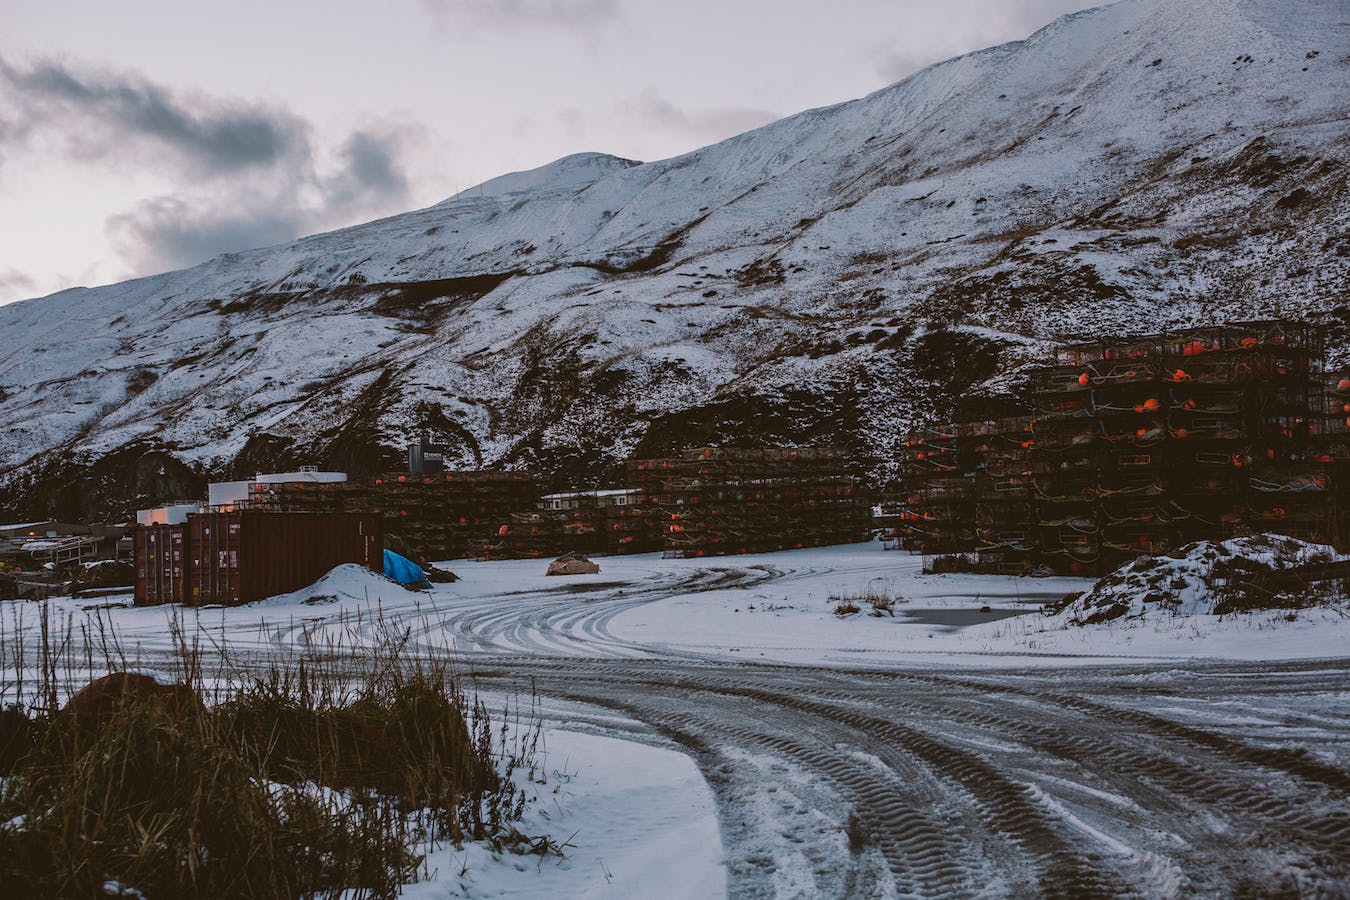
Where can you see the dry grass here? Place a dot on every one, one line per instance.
(879, 597)
(318, 776)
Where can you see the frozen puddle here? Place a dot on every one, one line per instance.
(957, 618)
(640, 821)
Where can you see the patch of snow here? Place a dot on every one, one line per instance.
(633, 821)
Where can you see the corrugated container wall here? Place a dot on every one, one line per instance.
(242, 556)
(162, 563)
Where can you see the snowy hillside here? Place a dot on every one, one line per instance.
(843, 272)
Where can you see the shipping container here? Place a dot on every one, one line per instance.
(162, 563)
(246, 555)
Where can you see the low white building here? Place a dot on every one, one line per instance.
(590, 499)
(227, 494)
(172, 514)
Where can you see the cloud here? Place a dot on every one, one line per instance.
(894, 65)
(954, 27)
(171, 233)
(14, 283)
(242, 175)
(586, 15)
(652, 110)
(96, 113)
(372, 169)
(367, 179)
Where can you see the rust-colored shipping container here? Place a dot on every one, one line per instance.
(162, 563)
(246, 555)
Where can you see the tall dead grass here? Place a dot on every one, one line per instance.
(319, 772)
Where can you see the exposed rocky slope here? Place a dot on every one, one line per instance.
(841, 273)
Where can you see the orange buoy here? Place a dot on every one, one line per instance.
(1151, 403)
(1083, 379)
(1343, 384)
(1180, 375)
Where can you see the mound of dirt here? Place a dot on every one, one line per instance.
(1266, 571)
(572, 564)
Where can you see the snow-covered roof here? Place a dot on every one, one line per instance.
(21, 526)
(309, 475)
(608, 492)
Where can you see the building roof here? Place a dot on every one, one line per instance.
(20, 526)
(608, 492)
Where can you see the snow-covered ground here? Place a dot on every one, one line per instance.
(629, 816)
(803, 754)
(767, 607)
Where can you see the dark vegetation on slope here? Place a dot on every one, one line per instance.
(421, 302)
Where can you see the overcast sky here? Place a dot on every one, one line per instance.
(142, 136)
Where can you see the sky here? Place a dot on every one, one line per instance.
(143, 136)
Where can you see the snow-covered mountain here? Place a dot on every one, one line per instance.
(843, 272)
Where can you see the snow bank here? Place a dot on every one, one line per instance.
(345, 583)
(1204, 578)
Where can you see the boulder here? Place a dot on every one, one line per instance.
(101, 699)
(571, 564)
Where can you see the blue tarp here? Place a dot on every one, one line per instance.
(404, 571)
